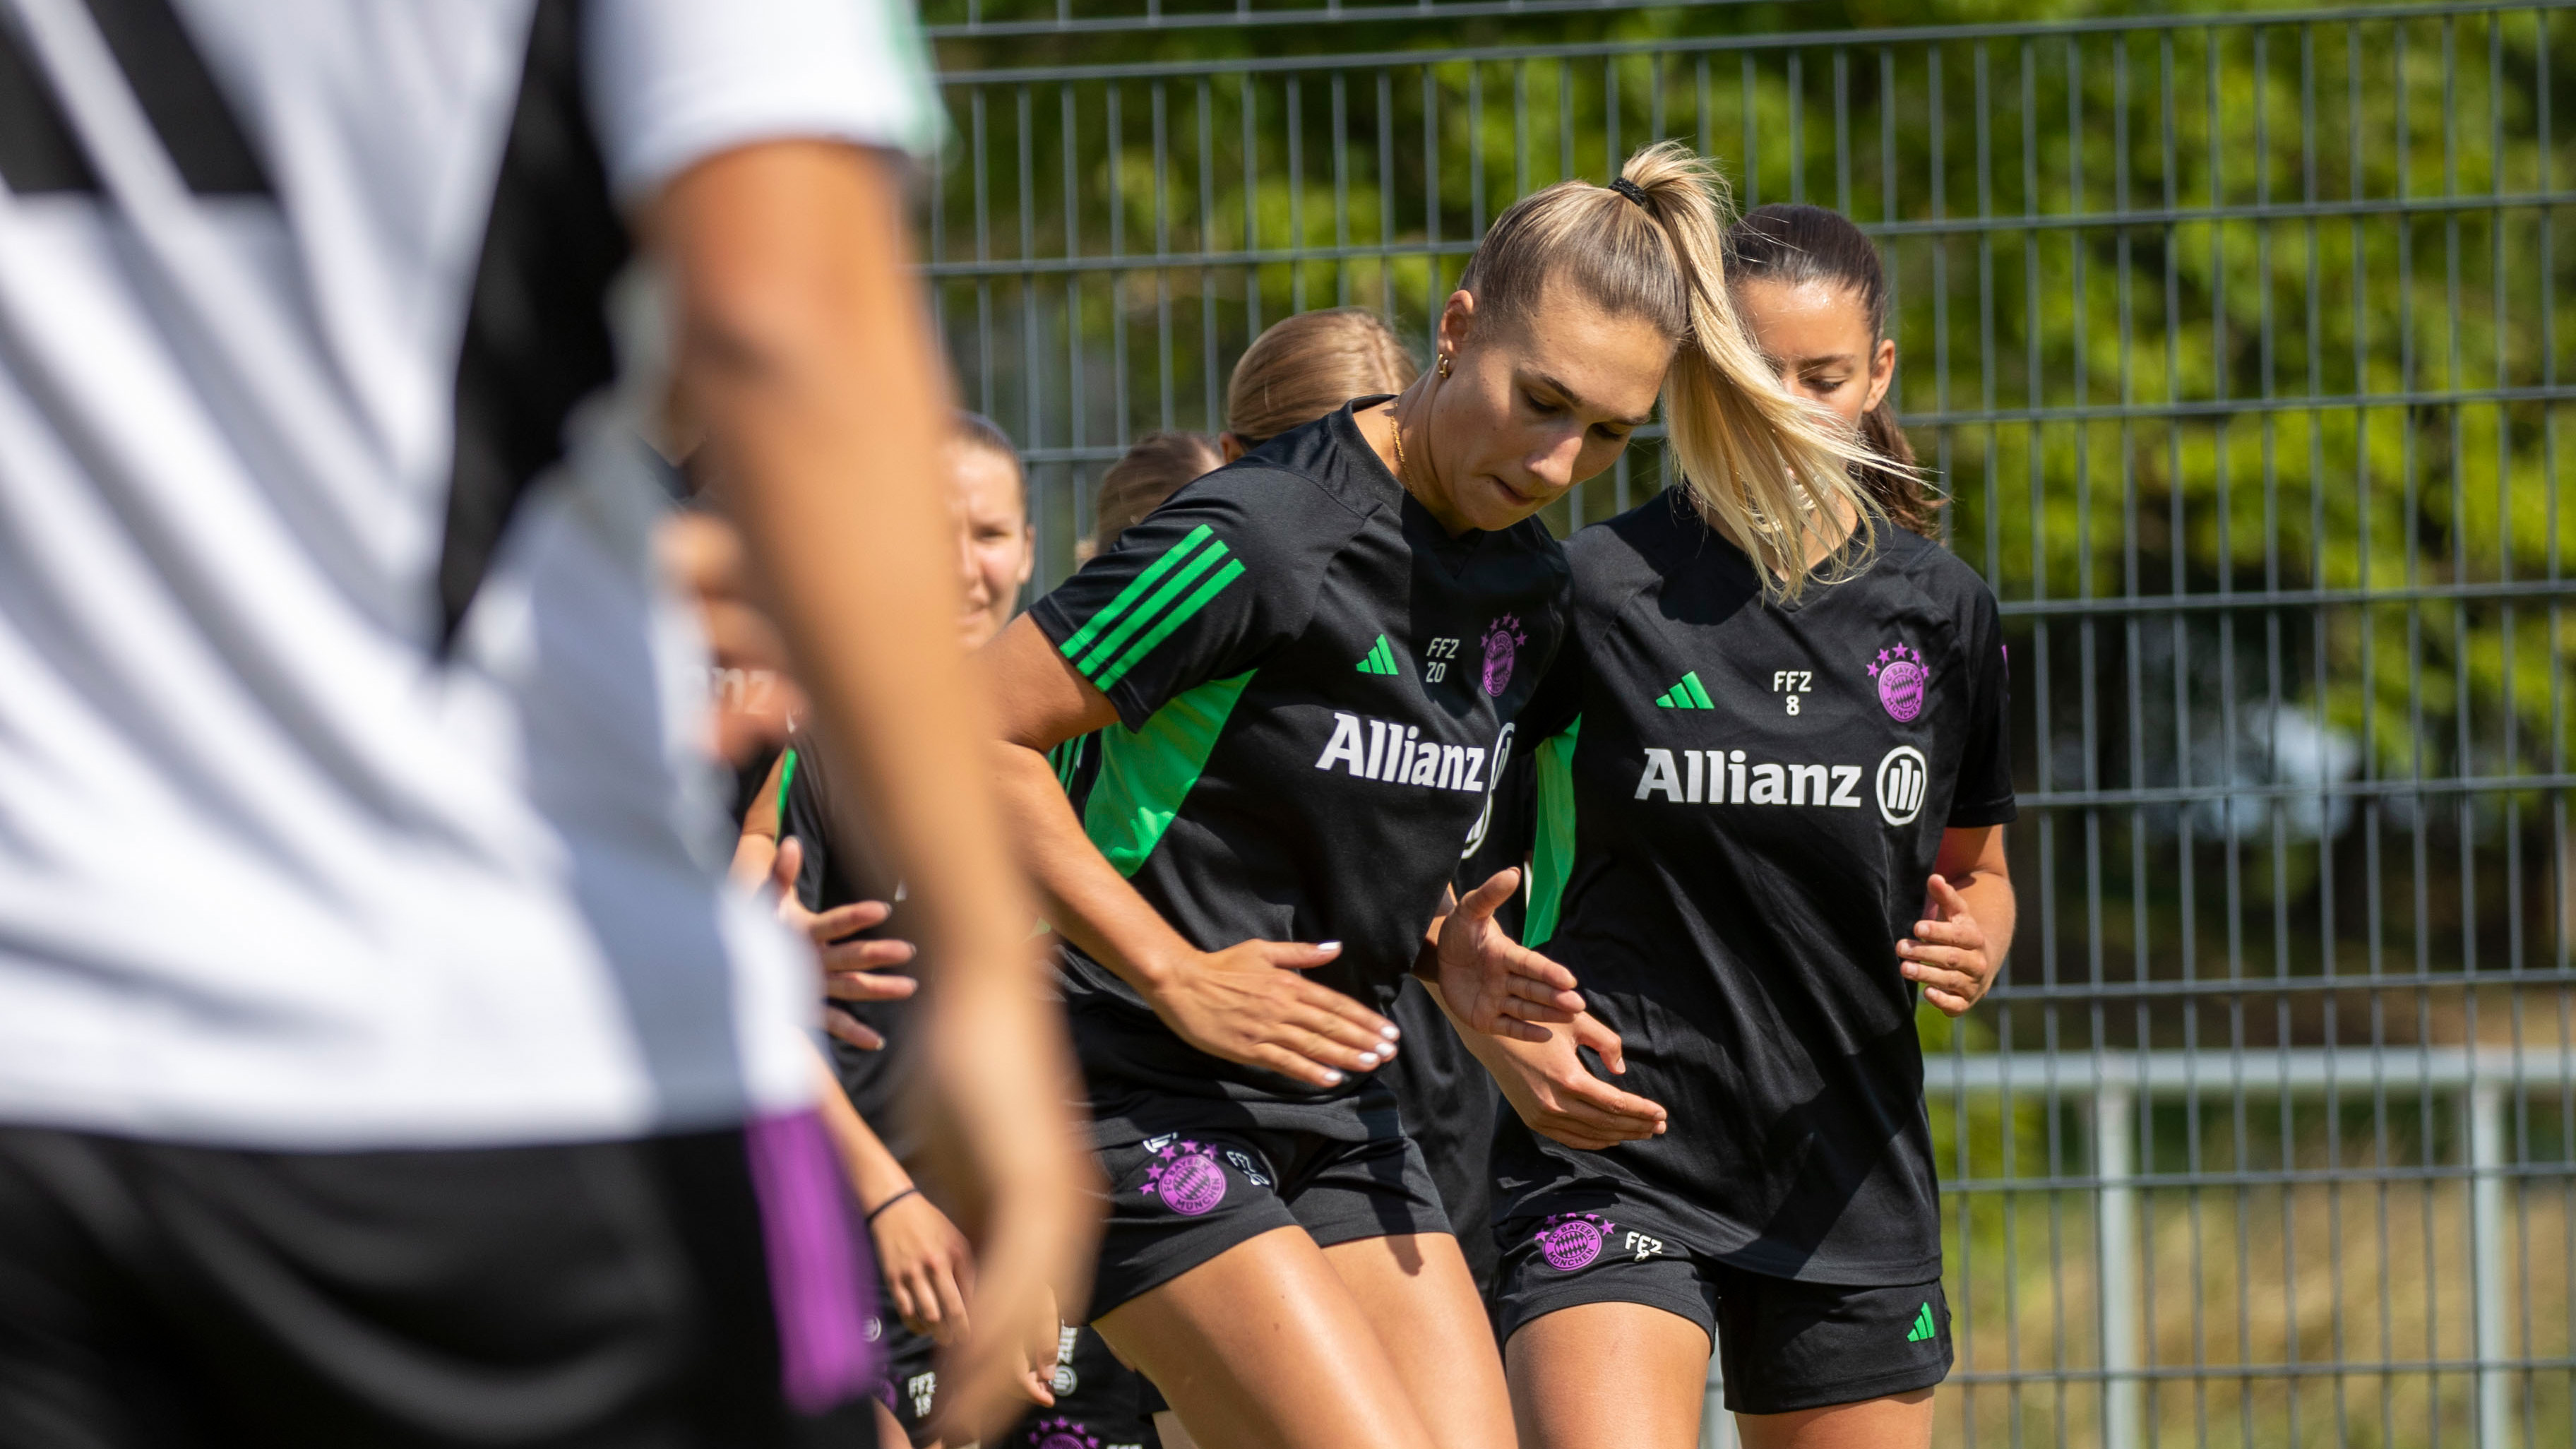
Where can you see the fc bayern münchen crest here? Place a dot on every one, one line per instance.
(1503, 641)
(1902, 680)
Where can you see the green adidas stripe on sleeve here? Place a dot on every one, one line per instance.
(1109, 614)
(1233, 570)
(1091, 664)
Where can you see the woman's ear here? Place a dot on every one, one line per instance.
(1028, 552)
(1230, 447)
(1882, 371)
(1457, 323)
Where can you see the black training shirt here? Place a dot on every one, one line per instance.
(1738, 804)
(835, 872)
(1315, 684)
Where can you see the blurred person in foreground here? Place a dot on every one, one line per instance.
(331, 619)
(836, 890)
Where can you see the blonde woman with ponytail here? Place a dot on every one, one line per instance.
(1765, 817)
(1304, 671)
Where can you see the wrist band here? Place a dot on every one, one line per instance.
(879, 1209)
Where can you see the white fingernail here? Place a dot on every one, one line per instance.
(1332, 1079)
(1328, 945)
(1387, 1032)
(1368, 1059)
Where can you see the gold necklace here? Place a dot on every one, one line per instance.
(1395, 431)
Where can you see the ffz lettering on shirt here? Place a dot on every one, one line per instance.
(1721, 777)
(1385, 750)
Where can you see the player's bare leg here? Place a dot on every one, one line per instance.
(1608, 1376)
(1264, 1347)
(1417, 1291)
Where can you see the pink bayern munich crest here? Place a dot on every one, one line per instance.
(1902, 682)
(1503, 641)
(1572, 1240)
(1062, 1434)
(1187, 1179)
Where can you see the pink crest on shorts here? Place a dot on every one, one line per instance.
(1061, 1434)
(1188, 1179)
(1902, 680)
(1503, 641)
(1572, 1240)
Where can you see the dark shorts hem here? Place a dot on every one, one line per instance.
(1182, 1199)
(1853, 1391)
(1783, 1344)
(1520, 1311)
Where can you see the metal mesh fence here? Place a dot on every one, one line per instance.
(2233, 340)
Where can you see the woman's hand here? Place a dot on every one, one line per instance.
(1247, 1004)
(1947, 952)
(1492, 982)
(929, 1267)
(1548, 1084)
(848, 966)
(1041, 1342)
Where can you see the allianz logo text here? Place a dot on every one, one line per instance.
(1725, 777)
(1385, 750)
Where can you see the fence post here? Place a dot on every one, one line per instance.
(2116, 1256)
(2486, 1258)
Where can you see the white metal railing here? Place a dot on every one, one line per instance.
(2112, 1082)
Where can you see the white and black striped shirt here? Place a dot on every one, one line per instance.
(350, 791)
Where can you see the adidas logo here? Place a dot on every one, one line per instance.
(1685, 695)
(1923, 1329)
(1380, 660)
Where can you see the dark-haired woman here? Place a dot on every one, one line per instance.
(1762, 823)
(1305, 666)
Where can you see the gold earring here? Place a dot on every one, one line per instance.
(1444, 364)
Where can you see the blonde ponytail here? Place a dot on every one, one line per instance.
(1766, 469)
(1763, 468)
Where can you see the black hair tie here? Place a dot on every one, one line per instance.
(1632, 191)
(879, 1210)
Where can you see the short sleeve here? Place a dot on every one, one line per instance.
(676, 81)
(1984, 795)
(1200, 590)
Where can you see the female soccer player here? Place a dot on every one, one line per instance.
(1762, 822)
(1153, 468)
(1302, 368)
(1315, 656)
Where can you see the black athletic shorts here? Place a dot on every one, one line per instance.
(1097, 1398)
(1781, 1344)
(1181, 1198)
(911, 1385)
(1100, 1403)
(690, 1290)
